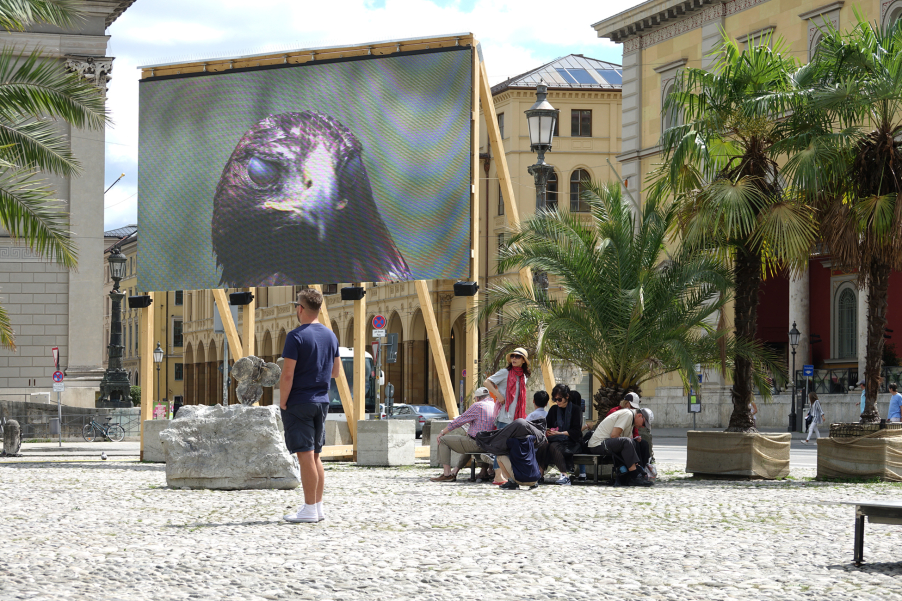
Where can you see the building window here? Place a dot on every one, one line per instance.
(581, 123)
(578, 180)
(179, 373)
(502, 244)
(551, 191)
(847, 324)
(500, 201)
(668, 118)
(177, 333)
(330, 289)
(179, 297)
(501, 124)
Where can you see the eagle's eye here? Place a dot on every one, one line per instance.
(262, 173)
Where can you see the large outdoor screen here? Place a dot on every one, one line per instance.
(354, 170)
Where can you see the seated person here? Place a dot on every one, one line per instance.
(540, 400)
(564, 431)
(608, 441)
(480, 417)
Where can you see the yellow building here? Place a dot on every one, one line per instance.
(167, 323)
(587, 93)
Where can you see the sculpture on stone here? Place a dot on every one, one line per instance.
(252, 374)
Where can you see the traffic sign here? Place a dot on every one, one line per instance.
(808, 370)
(57, 376)
(379, 322)
(58, 387)
(378, 333)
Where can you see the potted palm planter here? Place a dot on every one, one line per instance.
(861, 451)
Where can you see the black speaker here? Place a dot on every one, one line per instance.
(139, 302)
(466, 288)
(353, 293)
(241, 298)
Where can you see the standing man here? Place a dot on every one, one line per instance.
(310, 362)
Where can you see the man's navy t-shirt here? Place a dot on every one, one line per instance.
(315, 348)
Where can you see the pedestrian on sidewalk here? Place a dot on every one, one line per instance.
(816, 414)
(311, 361)
(895, 404)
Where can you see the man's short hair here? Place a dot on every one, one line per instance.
(540, 399)
(310, 298)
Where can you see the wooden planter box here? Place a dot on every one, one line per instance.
(875, 455)
(737, 454)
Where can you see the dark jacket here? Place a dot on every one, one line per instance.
(495, 442)
(574, 429)
(523, 459)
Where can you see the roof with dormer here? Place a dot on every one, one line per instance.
(573, 71)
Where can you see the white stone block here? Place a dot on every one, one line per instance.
(386, 442)
(153, 448)
(228, 448)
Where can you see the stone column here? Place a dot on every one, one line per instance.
(407, 374)
(631, 124)
(862, 331)
(799, 296)
(86, 222)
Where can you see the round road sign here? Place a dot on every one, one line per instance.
(57, 376)
(379, 322)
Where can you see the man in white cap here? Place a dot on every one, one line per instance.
(478, 418)
(612, 438)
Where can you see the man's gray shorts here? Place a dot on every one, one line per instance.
(305, 426)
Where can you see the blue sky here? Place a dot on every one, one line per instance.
(516, 36)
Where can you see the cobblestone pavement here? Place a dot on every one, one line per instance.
(112, 530)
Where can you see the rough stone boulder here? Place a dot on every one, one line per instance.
(228, 448)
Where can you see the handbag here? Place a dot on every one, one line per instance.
(808, 420)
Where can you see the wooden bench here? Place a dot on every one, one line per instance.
(596, 462)
(877, 512)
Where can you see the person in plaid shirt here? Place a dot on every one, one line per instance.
(479, 417)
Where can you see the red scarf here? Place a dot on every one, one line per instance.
(514, 375)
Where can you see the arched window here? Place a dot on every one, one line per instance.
(578, 180)
(668, 119)
(893, 13)
(846, 324)
(551, 191)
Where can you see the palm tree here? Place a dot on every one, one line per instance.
(720, 169)
(36, 93)
(846, 158)
(629, 310)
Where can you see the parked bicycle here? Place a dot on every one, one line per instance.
(94, 431)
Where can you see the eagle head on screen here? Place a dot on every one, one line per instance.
(294, 206)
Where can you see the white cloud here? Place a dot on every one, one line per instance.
(513, 37)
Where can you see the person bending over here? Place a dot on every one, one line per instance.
(608, 441)
(480, 417)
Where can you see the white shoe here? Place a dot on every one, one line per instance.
(563, 480)
(319, 511)
(306, 514)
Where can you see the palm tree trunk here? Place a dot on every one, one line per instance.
(878, 285)
(747, 272)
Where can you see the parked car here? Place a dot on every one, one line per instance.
(428, 413)
(402, 411)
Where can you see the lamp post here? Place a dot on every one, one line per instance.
(115, 379)
(794, 335)
(541, 118)
(158, 359)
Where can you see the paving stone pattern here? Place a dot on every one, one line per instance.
(113, 530)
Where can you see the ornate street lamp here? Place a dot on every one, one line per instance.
(158, 359)
(115, 379)
(794, 335)
(541, 118)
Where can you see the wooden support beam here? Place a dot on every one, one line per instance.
(337, 451)
(438, 353)
(249, 325)
(145, 352)
(510, 204)
(471, 366)
(231, 332)
(359, 411)
(344, 391)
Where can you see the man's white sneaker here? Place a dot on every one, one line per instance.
(564, 480)
(319, 511)
(306, 514)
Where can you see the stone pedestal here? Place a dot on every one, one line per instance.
(228, 448)
(386, 442)
(153, 448)
(12, 438)
(863, 458)
(337, 432)
(737, 454)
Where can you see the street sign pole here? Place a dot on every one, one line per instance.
(58, 388)
(59, 416)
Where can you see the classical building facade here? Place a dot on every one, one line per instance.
(168, 321)
(587, 93)
(661, 37)
(50, 307)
